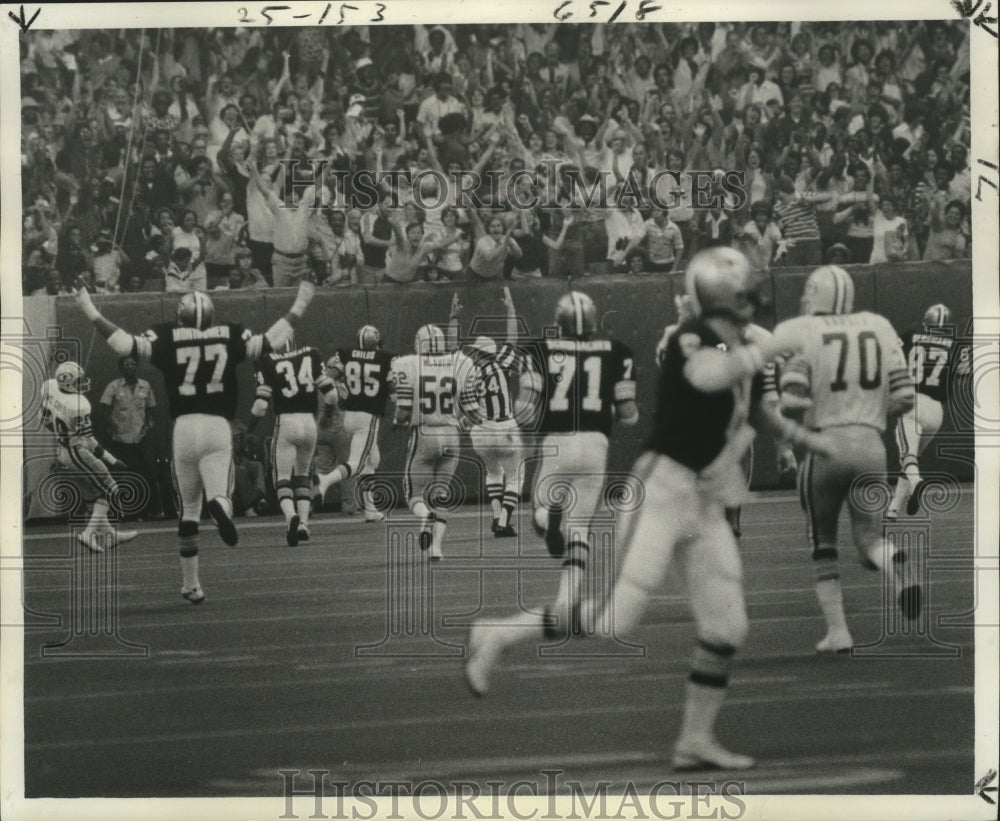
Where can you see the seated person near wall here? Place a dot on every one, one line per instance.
(249, 497)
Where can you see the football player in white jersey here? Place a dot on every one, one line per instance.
(426, 394)
(933, 357)
(849, 379)
(66, 412)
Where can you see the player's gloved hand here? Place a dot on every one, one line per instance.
(787, 463)
(84, 301)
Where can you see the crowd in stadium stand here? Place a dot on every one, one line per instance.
(155, 159)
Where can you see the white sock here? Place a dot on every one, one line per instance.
(288, 508)
(303, 506)
(368, 501)
(335, 476)
(701, 708)
(439, 529)
(189, 567)
(99, 517)
(831, 603)
(900, 495)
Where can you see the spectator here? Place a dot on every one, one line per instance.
(660, 242)
(760, 239)
(108, 262)
(890, 234)
(946, 240)
(125, 415)
(223, 231)
(182, 275)
(334, 250)
(795, 214)
(249, 488)
(243, 276)
(494, 241)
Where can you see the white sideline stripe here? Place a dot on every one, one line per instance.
(472, 716)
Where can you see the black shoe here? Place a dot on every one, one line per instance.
(292, 534)
(911, 602)
(495, 526)
(303, 533)
(427, 533)
(227, 530)
(506, 532)
(554, 540)
(913, 503)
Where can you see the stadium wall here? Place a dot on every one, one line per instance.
(634, 310)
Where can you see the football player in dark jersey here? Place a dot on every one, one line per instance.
(198, 359)
(580, 385)
(707, 398)
(364, 376)
(487, 404)
(290, 379)
(932, 357)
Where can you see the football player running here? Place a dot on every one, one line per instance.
(198, 359)
(290, 378)
(66, 412)
(753, 333)
(849, 379)
(426, 394)
(708, 397)
(581, 384)
(364, 377)
(488, 408)
(931, 356)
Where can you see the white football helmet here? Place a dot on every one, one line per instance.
(828, 290)
(195, 310)
(484, 346)
(719, 283)
(429, 339)
(937, 318)
(71, 378)
(576, 315)
(369, 338)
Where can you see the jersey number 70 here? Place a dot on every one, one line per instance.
(869, 355)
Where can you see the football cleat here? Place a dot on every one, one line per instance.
(435, 554)
(828, 290)
(495, 525)
(195, 595)
(835, 642)
(483, 653)
(227, 530)
(913, 503)
(911, 602)
(95, 541)
(303, 533)
(576, 315)
(706, 754)
(71, 378)
(195, 310)
(292, 531)
(554, 539)
(123, 536)
(507, 532)
(374, 516)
